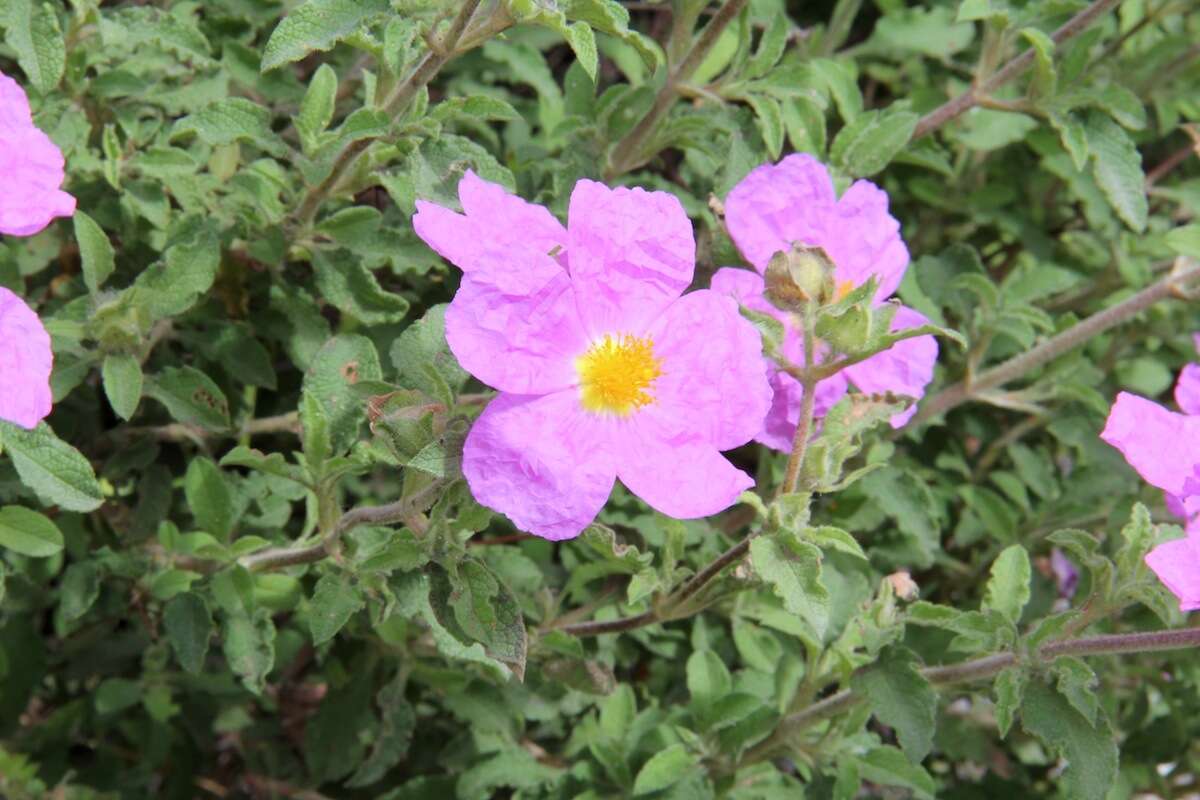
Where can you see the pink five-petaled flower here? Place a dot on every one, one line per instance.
(794, 202)
(604, 371)
(1164, 447)
(25, 362)
(31, 168)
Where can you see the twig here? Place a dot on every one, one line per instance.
(970, 98)
(965, 391)
(979, 669)
(627, 154)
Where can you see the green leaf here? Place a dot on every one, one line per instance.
(831, 538)
(901, 698)
(583, 43)
(1009, 689)
(117, 694)
(707, 677)
(34, 33)
(317, 107)
(344, 281)
(56, 472)
(317, 25)
(793, 569)
(488, 613)
(121, 375)
(209, 498)
(29, 533)
(1089, 750)
(233, 119)
(96, 255)
(890, 767)
(1077, 682)
(78, 590)
(334, 602)
(338, 366)
(869, 143)
(423, 360)
(398, 721)
(191, 397)
(249, 644)
(189, 626)
(1008, 589)
(1117, 166)
(1185, 240)
(664, 769)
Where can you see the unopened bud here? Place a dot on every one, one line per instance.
(904, 586)
(405, 421)
(799, 278)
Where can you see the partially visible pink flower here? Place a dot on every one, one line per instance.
(794, 202)
(604, 371)
(1066, 576)
(1164, 447)
(31, 168)
(25, 362)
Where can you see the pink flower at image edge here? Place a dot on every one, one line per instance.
(1163, 446)
(794, 202)
(31, 168)
(604, 370)
(25, 363)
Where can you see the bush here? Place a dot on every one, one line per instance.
(239, 557)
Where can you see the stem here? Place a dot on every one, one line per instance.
(280, 557)
(1052, 348)
(791, 477)
(979, 669)
(628, 152)
(970, 98)
(425, 70)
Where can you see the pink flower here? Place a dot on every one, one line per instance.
(794, 202)
(604, 371)
(31, 168)
(25, 361)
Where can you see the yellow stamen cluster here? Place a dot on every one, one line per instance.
(617, 373)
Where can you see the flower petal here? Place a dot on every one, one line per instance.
(677, 474)
(863, 239)
(778, 204)
(905, 368)
(1163, 446)
(714, 377)
(514, 324)
(31, 167)
(543, 462)
(25, 363)
(631, 254)
(1187, 389)
(779, 428)
(1177, 565)
(494, 221)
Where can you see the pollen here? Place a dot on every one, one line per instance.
(617, 374)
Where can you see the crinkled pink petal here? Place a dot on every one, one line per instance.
(863, 239)
(514, 323)
(1177, 565)
(31, 168)
(1163, 446)
(778, 204)
(631, 254)
(494, 221)
(779, 428)
(714, 377)
(675, 472)
(543, 462)
(1187, 389)
(905, 368)
(25, 363)
(794, 202)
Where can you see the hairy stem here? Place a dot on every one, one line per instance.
(980, 669)
(791, 477)
(970, 98)
(628, 152)
(420, 76)
(1052, 348)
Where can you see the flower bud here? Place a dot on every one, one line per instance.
(799, 278)
(848, 332)
(405, 422)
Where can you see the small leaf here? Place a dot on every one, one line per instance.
(34, 33)
(191, 397)
(56, 471)
(249, 644)
(209, 498)
(889, 766)
(1008, 589)
(1117, 165)
(121, 375)
(334, 602)
(869, 143)
(1089, 750)
(189, 627)
(1009, 688)
(664, 769)
(339, 365)
(96, 255)
(793, 569)
(29, 533)
(583, 43)
(317, 25)
(901, 698)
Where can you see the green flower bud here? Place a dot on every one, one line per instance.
(800, 278)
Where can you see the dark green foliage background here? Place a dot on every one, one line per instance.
(234, 300)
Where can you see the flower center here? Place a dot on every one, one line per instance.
(616, 374)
